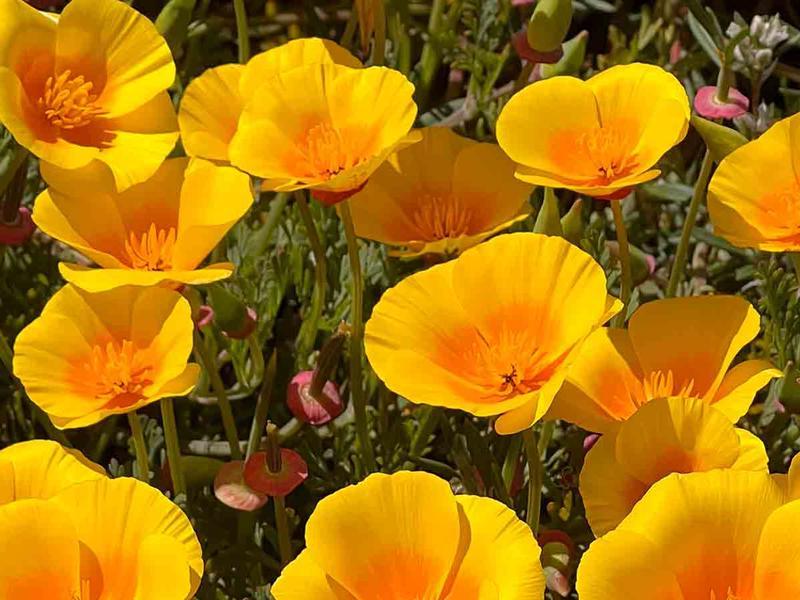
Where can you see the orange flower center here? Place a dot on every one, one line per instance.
(326, 152)
(68, 102)
(730, 596)
(606, 148)
(152, 250)
(440, 216)
(119, 373)
(660, 384)
(782, 209)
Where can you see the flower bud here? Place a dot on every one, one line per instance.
(231, 489)
(719, 139)
(574, 53)
(549, 25)
(316, 409)
(19, 231)
(276, 471)
(708, 105)
(572, 223)
(548, 221)
(236, 320)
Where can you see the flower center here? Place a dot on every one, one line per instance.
(729, 596)
(67, 101)
(606, 148)
(782, 208)
(326, 152)
(661, 384)
(152, 250)
(440, 216)
(120, 373)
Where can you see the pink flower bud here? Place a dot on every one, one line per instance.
(18, 232)
(308, 409)
(590, 440)
(707, 105)
(204, 317)
(292, 472)
(231, 489)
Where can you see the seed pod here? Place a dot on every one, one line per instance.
(549, 24)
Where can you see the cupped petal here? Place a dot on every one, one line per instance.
(303, 579)
(26, 34)
(40, 552)
(600, 390)
(161, 569)
(623, 564)
(707, 527)
(213, 199)
(778, 559)
(740, 385)
(388, 536)
(116, 48)
(115, 518)
(648, 100)
(41, 469)
(140, 141)
(533, 127)
(608, 491)
(417, 327)
(694, 338)
(209, 112)
(291, 55)
(752, 453)
(502, 556)
(102, 280)
(753, 212)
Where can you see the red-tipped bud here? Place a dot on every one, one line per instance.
(329, 198)
(523, 49)
(590, 440)
(709, 106)
(204, 316)
(230, 488)
(247, 327)
(18, 232)
(276, 471)
(313, 409)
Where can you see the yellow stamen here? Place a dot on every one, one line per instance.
(607, 149)
(326, 152)
(152, 250)
(661, 384)
(120, 373)
(67, 101)
(440, 216)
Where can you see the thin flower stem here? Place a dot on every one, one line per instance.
(173, 446)
(524, 76)
(379, 48)
(678, 266)
(534, 479)
(262, 406)
(311, 323)
(228, 421)
(256, 357)
(242, 31)
(282, 525)
(142, 466)
(350, 29)
(624, 259)
(6, 354)
(357, 339)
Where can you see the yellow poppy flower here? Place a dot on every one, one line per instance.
(598, 137)
(327, 127)
(154, 232)
(751, 210)
(442, 195)
(674, 347)
(720, 535)
(492, 332)
(666, 435)
(212, 103)
(88, 356)
(87, 87)
(105, 538)
(407, 536)
(41, 469)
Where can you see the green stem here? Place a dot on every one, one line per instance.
(311, 323)
(524, 76)
(256, 357)
(173, 446)
(431, 53)
(534, 479)
(678, 266)
(228, 421)
(262, 406)
(357, 339)
(282, 526)
(142, 466)
(349, 30)
(379, 48)
(6, 354)
(242, 31)
(795, 258)
(624, 259)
